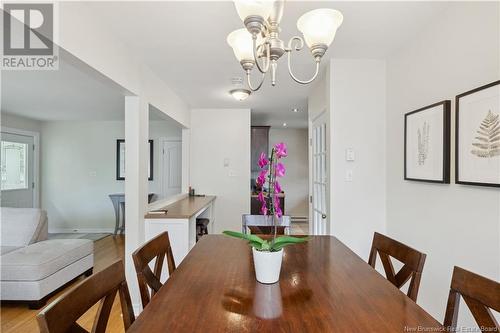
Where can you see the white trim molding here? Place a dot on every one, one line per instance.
(36, 162)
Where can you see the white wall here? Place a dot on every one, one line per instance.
(22, 123)
(296, 181)
(358, 122)
(218, 135)
(160, 129)
(79, 171)
(453, 224)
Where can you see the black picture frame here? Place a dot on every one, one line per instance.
(446, 110)
(457, 136)
(119, 142)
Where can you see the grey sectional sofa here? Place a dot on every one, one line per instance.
(32, 267)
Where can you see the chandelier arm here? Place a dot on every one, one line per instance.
(249, 82)
(268, 56)
(298, 46)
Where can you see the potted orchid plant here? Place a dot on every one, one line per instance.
(268, 254)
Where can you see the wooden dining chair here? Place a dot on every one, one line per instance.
(262, 224)
(479, 293)
(61, 315)
(157, 248)
(413, 262)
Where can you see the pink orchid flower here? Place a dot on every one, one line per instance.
(281, 150)
(263, 209)
(261, 179)
(277, 187)
(280, 169)
(276, 201)
(263, 161)
(261, 198)
(278, 212)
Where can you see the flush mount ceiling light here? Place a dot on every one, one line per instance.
(259, 44)
(240, 94)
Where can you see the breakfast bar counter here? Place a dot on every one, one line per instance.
(184, 208)
(179, 220)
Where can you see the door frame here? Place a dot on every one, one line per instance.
(161, 168)
(36, 157)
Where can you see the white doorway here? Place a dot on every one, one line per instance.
(19, 168)
(171, 167)
(320, 183)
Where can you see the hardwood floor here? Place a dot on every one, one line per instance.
(17, 318)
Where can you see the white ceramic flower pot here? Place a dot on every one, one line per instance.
(267, 265)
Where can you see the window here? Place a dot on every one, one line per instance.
(14, 165)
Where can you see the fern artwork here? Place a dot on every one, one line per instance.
(427, 145)
(487, 140)
(477, 136)
(423, 143)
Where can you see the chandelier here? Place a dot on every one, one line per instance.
(258, 44)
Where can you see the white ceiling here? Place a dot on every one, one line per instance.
(184, 43)
(65, 94)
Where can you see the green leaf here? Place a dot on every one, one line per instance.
(290, 239)
(248, 237)
(283, 241)
(256, 245)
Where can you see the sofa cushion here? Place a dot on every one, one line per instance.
(22, 226)
(7, 249)
(37, 261)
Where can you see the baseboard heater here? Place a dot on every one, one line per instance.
(299, 219)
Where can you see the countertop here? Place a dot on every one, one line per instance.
(184, 208)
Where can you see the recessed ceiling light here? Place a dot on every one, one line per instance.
(284, 124)
(240, 94)
(295, 110)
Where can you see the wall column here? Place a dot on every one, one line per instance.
(136, 185)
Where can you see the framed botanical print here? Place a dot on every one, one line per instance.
(427, 144)
(120, 160)
(477, 137)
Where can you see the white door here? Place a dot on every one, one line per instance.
(171, 168)
(320, 187)
(17, 170)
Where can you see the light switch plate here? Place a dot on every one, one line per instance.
(226, 162)
(349, 154)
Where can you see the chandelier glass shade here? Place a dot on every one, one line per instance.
(258, 44)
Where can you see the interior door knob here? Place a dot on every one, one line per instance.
(323, 216)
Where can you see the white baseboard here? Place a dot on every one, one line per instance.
(81, 231)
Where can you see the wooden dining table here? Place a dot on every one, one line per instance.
(323, 287)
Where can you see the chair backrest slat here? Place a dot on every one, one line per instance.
(413, 262)
(479, 293)
(157, 248)
(264, 224)
(61, 315)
